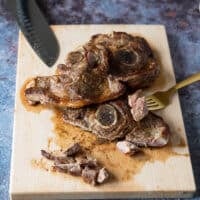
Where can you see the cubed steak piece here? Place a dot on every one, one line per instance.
(138, 105)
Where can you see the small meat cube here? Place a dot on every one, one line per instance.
(73, 150)
(138, 105)
(72, 168)
(57, 159)
(88, 162)
(139, 110)
(161, 137)
(90, 175)
(127, 147)
(47, 155)
(103, 175)
(133, 98)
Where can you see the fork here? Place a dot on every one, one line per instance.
(160, 100)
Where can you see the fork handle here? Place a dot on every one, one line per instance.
(191, 79)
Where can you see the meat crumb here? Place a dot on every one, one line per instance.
(73, 150)
(127, 147)
(90, 175)
(102, 176)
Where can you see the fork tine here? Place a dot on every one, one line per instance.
(150, 100)
(152, 104)
(155, 107)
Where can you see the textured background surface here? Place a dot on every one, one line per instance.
(182, 21)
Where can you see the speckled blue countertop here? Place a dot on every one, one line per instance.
(182, 21)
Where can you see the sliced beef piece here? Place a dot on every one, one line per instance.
(103, 175)
(57, 159)
(151, 131)
(72, 168)
(48, 155)
(83, 80)
(127, 147)
(77, 162)
(113, 120)
(131, 58)
(73, 150)
(138, 105)
(95, 175)
(90, 175)
(87, 162)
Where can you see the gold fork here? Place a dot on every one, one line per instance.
(160, 100)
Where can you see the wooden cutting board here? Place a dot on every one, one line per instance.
(164, 172)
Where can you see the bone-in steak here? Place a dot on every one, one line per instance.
(131, 58)
(113, 120)
(97, 72)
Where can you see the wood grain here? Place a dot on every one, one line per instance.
(172, 177)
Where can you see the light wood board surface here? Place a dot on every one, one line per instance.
(170, 178)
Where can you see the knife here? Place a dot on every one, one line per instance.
(36, 29)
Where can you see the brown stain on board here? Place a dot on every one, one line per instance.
(122, 167)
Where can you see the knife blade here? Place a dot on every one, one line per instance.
(36, 29)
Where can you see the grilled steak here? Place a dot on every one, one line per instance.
(97, 72)
(113, 120)
(131, 58)
(76, 162)
(84, 81)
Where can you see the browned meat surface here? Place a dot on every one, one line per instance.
(57, 159)
(90, 175)
(138, 105)
(131, 58)
(76, 162)
(113, 120)
(73, 150)
(97, 72)
(84, 81)
(151, 131)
